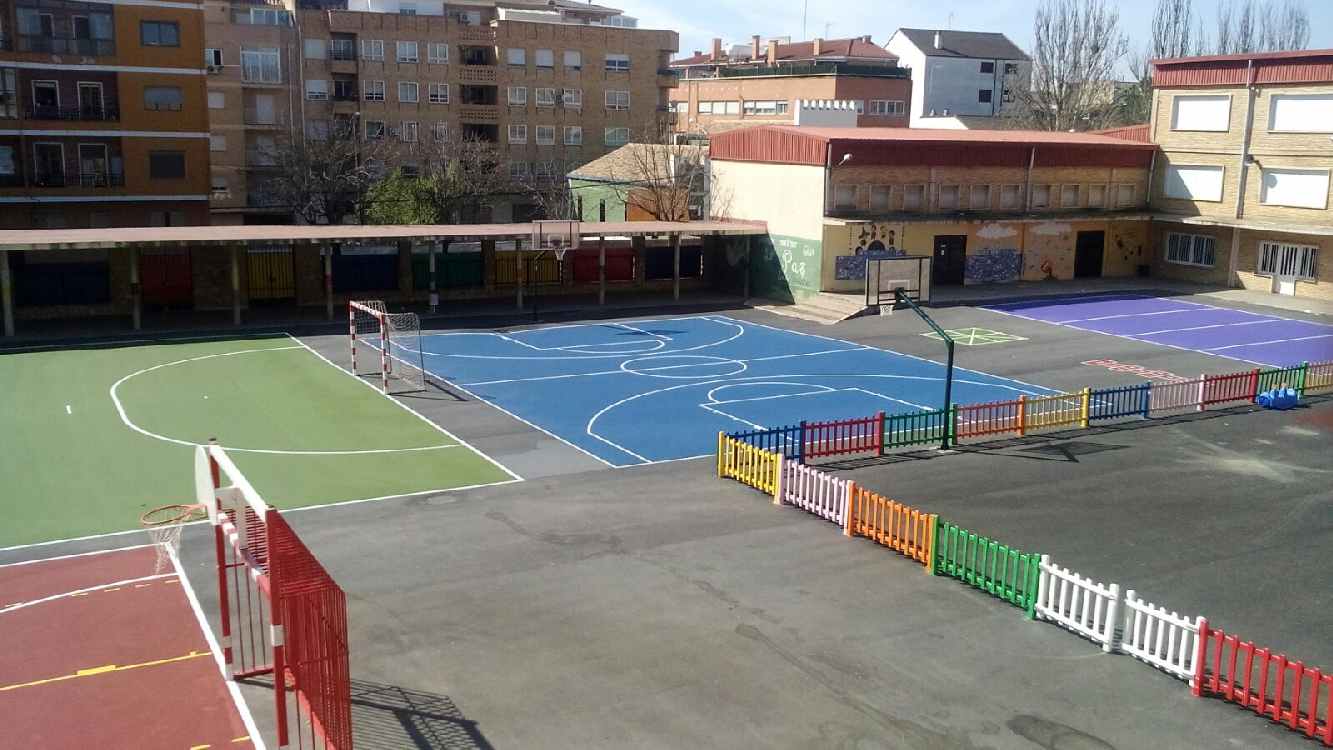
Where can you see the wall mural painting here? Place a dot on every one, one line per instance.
(995, 266)
(868, 240)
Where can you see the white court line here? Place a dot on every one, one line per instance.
(1124, 315)
(732, 417)
(78, 592)
(740, 330)
(890, 398)
(1200, 328)
(77, 554)
(256, 739)
(68, 410)
(1274, 341)
(99, 343)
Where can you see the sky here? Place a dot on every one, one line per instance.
(698, 21)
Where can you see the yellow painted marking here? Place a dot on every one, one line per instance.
(142, 585)
(199, 747)
(91, 671)
(245, 738)
(81, 593)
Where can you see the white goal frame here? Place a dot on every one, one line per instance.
(395, 341)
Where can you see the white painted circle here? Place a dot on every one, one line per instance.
(684, 366)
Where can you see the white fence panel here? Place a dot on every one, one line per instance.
(814, 491)
(1080, 604)
(1319, 376)
(1176, 396)
(1161, 638)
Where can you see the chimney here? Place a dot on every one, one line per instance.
(938, 44)
(866, 39)
(698, 53)
(754, 47)
(717, 50)
(818, 47)
(772, 52)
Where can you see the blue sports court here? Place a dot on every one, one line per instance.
(642, 391)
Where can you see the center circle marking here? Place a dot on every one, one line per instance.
(677, 366)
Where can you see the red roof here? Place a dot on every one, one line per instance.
(857, 48)
(1299, 54)
(946, 135)
(1299, 66)
(1138, 133)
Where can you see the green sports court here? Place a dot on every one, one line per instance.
(100, 434)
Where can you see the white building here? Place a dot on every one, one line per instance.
(960, 79)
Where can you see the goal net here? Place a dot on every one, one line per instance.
(387, 345)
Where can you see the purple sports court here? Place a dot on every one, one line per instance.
(1219, 331)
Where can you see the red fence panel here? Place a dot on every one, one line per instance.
(1239, 386)
(843, 436)
(619, 265)
(1269, 684)
(993, 418)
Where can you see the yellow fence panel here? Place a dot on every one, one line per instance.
(892, 524)
(1060, 410)
(747, 464)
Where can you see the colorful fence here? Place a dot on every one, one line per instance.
(1079, 604)
(808, 489)
(983, 563)
(1115, 403)
(1317, 377)
(1160, 638)
(894, 525)
(993, 418)
(1272, 686)
(747, 464)
(930, 427)
(785, 440)
(843, 436)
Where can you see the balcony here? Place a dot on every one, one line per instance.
(77, 178)
(257, 119)
(105, 113)
(478, 113)
(474, 34)
(342, 50)
(58, 45)
(477, 74)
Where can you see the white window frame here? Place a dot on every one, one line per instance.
(576, 56)
(375, 134)
(884, 191)
(1016, 191)
(439, 131)
(571, 98)
(1264, 199)
(438, 93)
(845, 197)
(1078, 196)
(261, 52)
(1195, 128)
(1273, 261)
(1036, 190)
(886, 108)
(372, 49)
(1310, 118)
(616, 62)
(1181, 189)
(544, 96)
(411, 86)
(407, 52)
(518, 133)
(972, 202)
(372, 91)
(220, 97)
(537, 58)
(1099, 202)
(517, 96)
(915, 189)
(217, 142)
(1188, 247)
(316, 89)
(609, 141)
(516, 56)
(957, 197)
(611, 98)
(408, 131)
(437, 53)
(549, 140)
(1123, 189)
(573, 135)
(313, 43)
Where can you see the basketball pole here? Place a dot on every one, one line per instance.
(900, 298)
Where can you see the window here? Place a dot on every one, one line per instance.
(544, 58)
(844, 196)
(407, 52)
(1069, 196)
(342, 49)
(440, 131)
(374, 130)
(980, 198)
(948, 197)
(314, 49)
(545, 97)
(213, 57)
(572, 98)
(518, 169)
(860, 105)
(409, 132)
(372, 49)
(516, 56)
(573, 135)
(680, 108)
(1300, 113)
(1283, 259)
(1011, 197)
(617, 62)
(46, 98)
(217, 143)
(407, 9)
(437, 53)
(543, 169)
(8, 165)
(262, 17)
(616, 136)
(988, 67)
(1299, 188)
(617, 99)
(374, 91)
(518, 96)
(316, 90)
(317, 130)
(218, 184)
(886, 107)
(159, 34)
(1124, 196)
(573, 59)
(879, 198)
(1190, 249)
(1041, 196)
(166, 165)
(518, 133)
(260, 65)
(1008, 95)
(914, 197)
(217, 100)
(439, 93)
(983, 96)
(163, 98)
(545, 135)
(705, 108)
(1011, 69)
(762, 107)
(1210, 113)
(1198, 183)
(1096, 196)
(408, 92)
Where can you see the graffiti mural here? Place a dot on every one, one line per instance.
(993, 266)
(872, 240)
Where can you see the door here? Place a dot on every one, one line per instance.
(950, 259)
(45, 100)
(90, 101)
(92, 165)
(1088, 250)
(264, 112)
(48, 164)
(1292, 262)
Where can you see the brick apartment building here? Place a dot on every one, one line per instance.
(725, 89)
(102, 118)
(552, 84)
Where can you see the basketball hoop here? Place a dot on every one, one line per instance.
(164, 525)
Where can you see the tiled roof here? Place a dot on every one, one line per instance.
(629, 163)
(1302, 54)
(947, 135)
(1128, 133)
(982, 45)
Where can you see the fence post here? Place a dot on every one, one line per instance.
(1203, 388)
(1254, 384)
(721, 443)
(1147, 399)
(1085, 407)
(1112, 619)
(951, 427)
(1043, 582)
(1300, 392)
(879, 433)
(1034, 575)
(932, 522)
(848, 512)
(800, 443)
(777, 486)
(1022, 413)
(1200, 653)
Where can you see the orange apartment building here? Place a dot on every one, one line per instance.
(763, 85)
(552, 84)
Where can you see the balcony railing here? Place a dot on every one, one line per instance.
(107, 112)
(345, 96)
(474, 33)
(58, 45)
(477, 74)
(478, 113)
(77, 178)
(342, 49)
(265, 119)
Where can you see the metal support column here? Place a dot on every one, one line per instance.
(601, 270)
(327, 252)
(136, 290)
(236, 284)
(6, 293)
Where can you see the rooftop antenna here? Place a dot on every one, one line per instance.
(805, 13)
(826, 28)
(950, 24)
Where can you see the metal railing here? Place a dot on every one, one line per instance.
(106, 112)
(59, 45)
(77, 178)
(812, 69)
(342, 49)
(273, 119)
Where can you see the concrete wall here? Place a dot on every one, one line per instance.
(790, 199)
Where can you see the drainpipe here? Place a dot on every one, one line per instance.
(1027, 188)
(828, 178)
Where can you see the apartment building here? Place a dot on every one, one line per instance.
(960, 79)
(102, 119)
(1241, 187)
(984, 206)
(762, 84)
(552, 84)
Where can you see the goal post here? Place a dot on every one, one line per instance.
(387, 345)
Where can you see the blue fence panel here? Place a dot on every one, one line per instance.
(1124, 401)
(785, 440)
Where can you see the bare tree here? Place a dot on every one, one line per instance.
(1077, 46)
(323, 177)
(660, 178)
(460, 176)
(1176, 32)
(1246, 26)
(548, 189)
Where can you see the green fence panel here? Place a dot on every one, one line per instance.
(452, 271)
(1289, 376)
(998, 569)
(915, 428)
